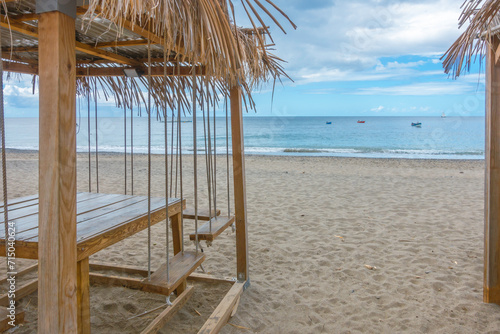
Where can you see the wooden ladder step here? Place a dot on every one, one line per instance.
(6, 321)
(219, 224)
(202, 214)
(180, 267)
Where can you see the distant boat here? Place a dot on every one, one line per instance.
(328, 122)
(361, 121)
(418, 124)
(443, 115)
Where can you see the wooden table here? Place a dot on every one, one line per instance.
(102, 220)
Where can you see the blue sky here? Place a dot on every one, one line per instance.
(357, 57)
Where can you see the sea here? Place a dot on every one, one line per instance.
(377, 137)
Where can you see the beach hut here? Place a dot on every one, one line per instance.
(77, 47)
(481, 39)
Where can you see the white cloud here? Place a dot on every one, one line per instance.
(417, 89)
(378, 109)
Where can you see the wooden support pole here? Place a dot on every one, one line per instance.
(176, 222)
(491, 287)
(240, 198)
(57, 293)
(83, 296)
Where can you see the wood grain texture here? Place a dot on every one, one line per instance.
(4, 320)
(57, 300)
(21, 292)
(83, 296)
(222, 313)
(176, 224)
(202, 214)
(491, 286)
(212, 229)
(240, 198)
(169, 312)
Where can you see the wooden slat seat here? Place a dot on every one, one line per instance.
(207, 233)
(202, 214)
(180, 267)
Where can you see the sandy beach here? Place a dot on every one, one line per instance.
(337, 245)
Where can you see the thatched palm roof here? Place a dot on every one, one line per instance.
(181, 37)
(482, 17)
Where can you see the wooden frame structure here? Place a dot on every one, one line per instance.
(482, 37)
(53, 47)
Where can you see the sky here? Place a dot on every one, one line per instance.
(347, 58)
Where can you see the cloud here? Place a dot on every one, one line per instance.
(351, 36)
(378, 109)
(419, 89)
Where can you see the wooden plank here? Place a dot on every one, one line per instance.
(83, 296)
(5, 318)
(89, 210)
(57, 297)
(222, 313)
(21, 292)
(202, 214)
(111, 236)
(9, 66)
(128, 282)
(491, 286)
(180, 267)
(22, 272)
(212, 229)
(240, 198)
(169, 312)
(105, 54)
(20, 200)
(209, 278)
(132, 270)
(156, 71)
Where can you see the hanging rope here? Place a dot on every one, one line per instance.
(125, 139)
(149, 160)
(214, 169)
(131, 147)
(179, 149)
(88, 137)
(195, 159)
(166, 167)
(209, 167)
(227, 161)
(4, 169)
(96, 138)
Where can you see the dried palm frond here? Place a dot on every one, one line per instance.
(474, 41)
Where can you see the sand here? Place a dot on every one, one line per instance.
(337, 245)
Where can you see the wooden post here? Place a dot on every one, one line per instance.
(240, 197)
(57, 288)
(176, 222)
(83, 296)
(491, 287)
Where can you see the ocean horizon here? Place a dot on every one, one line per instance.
(377, 137)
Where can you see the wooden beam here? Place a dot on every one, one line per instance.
(21, 292)
(169, 312)
(240, 198)
(57, 295)
(222, 313)
(19, 68)
(32, 31)
(157, 71)
(128, 282)
(491, 291)
(105, 54)
(176, 224)
(5, 319)
(25, 271)
(207, 278)
(83, 296)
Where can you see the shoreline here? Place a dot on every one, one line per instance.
(27, 151)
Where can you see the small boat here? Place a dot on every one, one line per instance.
(443, 115)
(328, 122)
(418, 124)
(361, 121)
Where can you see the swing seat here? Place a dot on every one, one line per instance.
(202, 214)
(180, 267)
(219, 224)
